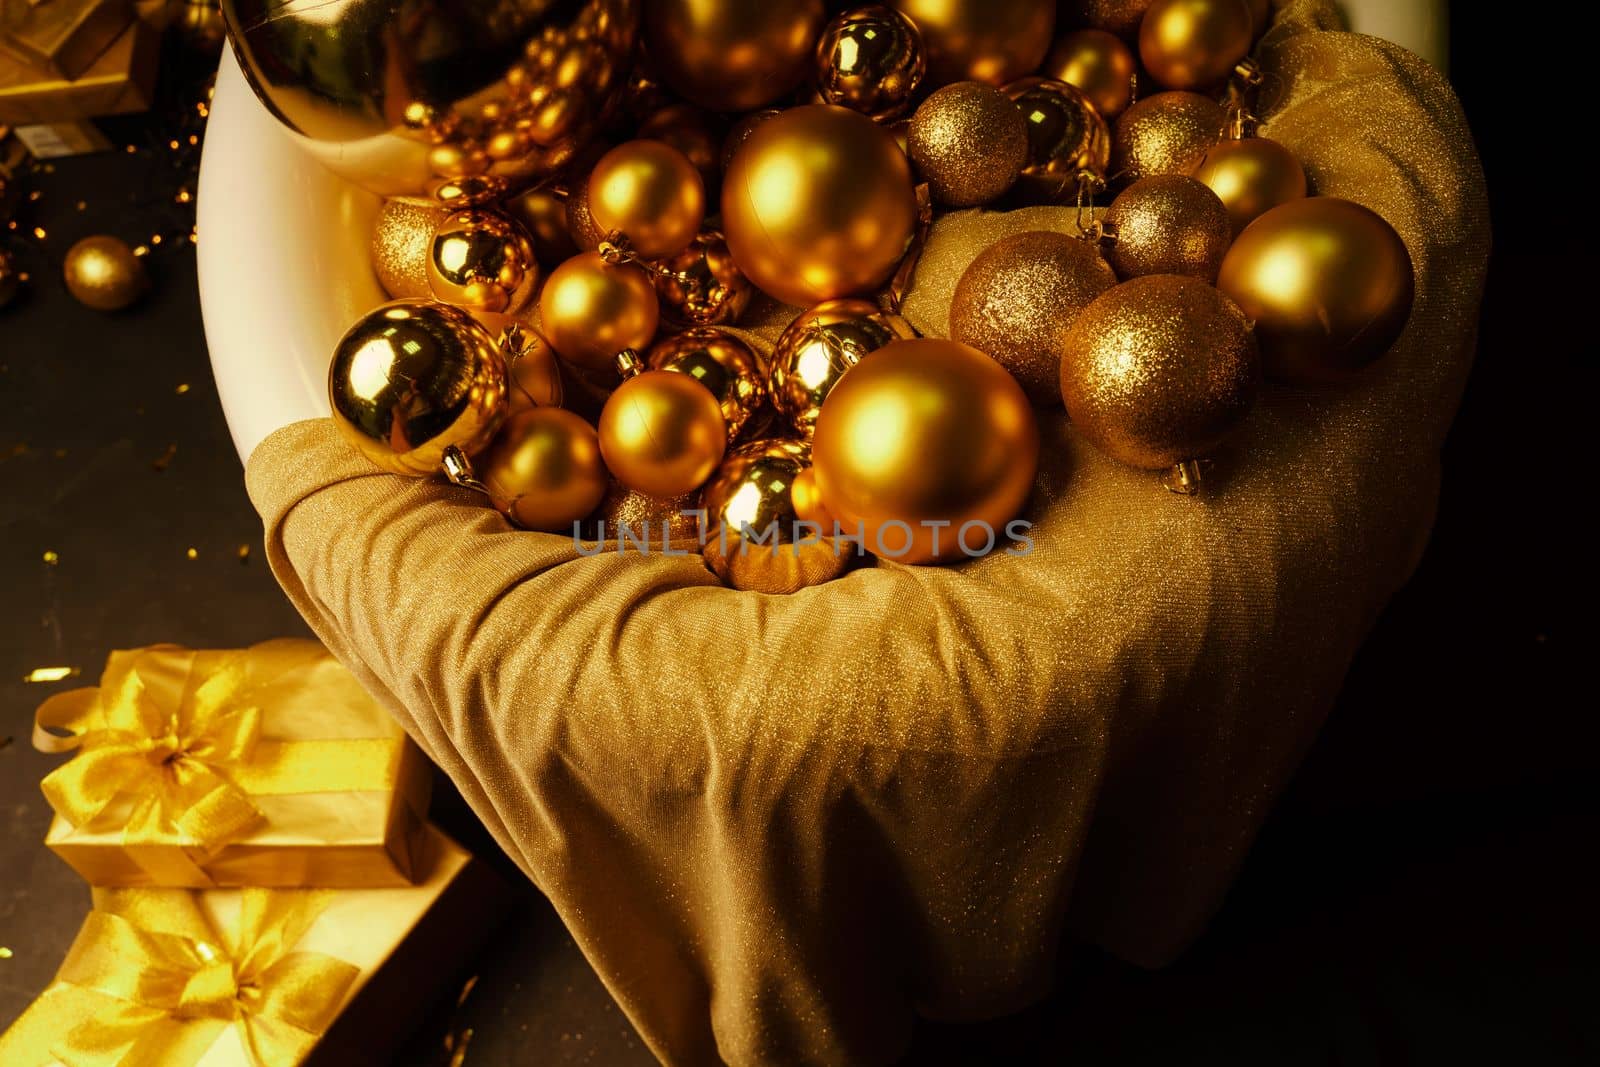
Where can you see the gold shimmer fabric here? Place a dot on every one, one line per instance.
(780, 827)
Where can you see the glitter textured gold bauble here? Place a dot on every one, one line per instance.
(1194, 44)
(702, 285)
(1159, 370)
(1168, 224)
(581, 227)
(753, 536)
(651, 194)
(990, 41)
(817, 204)
(1066, 138)
(646, 517)
(543, 471)
(1019, 297)
(412, 378)
(1251, 176)
(10, 278)
(1328, 282)
(818, 347)
(732, 55)
(969, 142)
(870, 59)
(1099, 64)
(481, 260)
(692, 132)
(590, 310)
(662, 433)
(1168, 133)
(102, 273)
(722, 363)
(533, 376)
(543, 217)
(1121, 17)
(400, 243)
(926, 432)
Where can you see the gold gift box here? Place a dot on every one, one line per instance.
(122, 80)
(62, 37)
(327, 792)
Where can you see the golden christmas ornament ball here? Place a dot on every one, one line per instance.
(1019, 297)
(543, 471)
(754, 537)
(732, 55)
(1252, 176)
(400, 243)
(649, 193)
(590, 310)
(412, 378)
(581, 227)
(533, 376)
(1194, 44)
(1159, 370)
(480, 259)
(807, 500)
(102, 273)
(702, 285)
(722, 363)
(1168, 224)
(646, 517)
(1066, 138)
(818, 347)
(692, 132)
(926, 432)
(870, 59)
(662, 433)
(543, 217)
(990, 41)
(740, 132)
(1168, 133)
(969, 142)
(1098, 63)
(1328, 282)
(1121, 17)
(818, 203)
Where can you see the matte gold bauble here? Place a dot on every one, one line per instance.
(692, 132)
(1066, 138)
(701, 286)
(662, 433)
(533, 376)
(1099, 64)
(646, 517)
(590, 310)
(543, 217)
(481, 260)
(818, 347)
(543, 471)
(732, 55)
(1019, 297)
(870, 59)
(400, 243)
(926, 433)
(1252, 176)
(412, 378)
(1329, 285)
(1121, 17)
(969, 142)
(650, 194)
(990, 41)
(1159, 370)
(722, 363)
(102, 273)
(1194, 44)
(10, 278)
(817, 204)
(1168, 133)
(754, 537)
(1168, 224)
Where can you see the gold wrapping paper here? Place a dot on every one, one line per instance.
(61, 37)
(123, 79)
(781, 826)
(267, 766)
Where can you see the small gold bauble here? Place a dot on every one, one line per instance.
(103, 273)
(1168, 224)
(1251, 176)
(10, 278)
(754, 537)
(646, 518)
(807, 500)
(1159, 370)
(702, 285)
(818, 347)
(1168, 133)
(969, 142)
(590, 310)
(581, 227)
(723, 364)
(543, 471)
(1194, 44)
(400, 243)
(412, 378)
(1099, 64)
(692, 132)
(1019, 297)
(990, 41)
(731, 55)
(543, 217)
(1328, 282)
(662, 433)
(1066, 138)
(1121, 17)
(533, 376)
(870, 59)
(649, 193)
(480, 259)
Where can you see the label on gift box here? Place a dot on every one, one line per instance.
(54, 140)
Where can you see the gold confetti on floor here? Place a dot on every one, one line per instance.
(51, 557)
(161, 462)
(50, 674)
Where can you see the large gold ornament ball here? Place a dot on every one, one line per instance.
(755, 537)
(1159, 371)
(590, 310)
(870, 59)
(1098, 63)
(818, 347)
(1067, 138)
(1168, 133)
(817, 204)
(400, 243)
(1019, 297)
(10, 278)
(649, 193)
(1194, 44)
(662, 433)
(702, 285)
(722, 363)
(926, 432)
(1168, 224)
(1328, 282)
(1251, 176)
(732, 55)
(543, 471)
(1121, 17)
(102, 273)
(412, 378)
(480, 259)
(990, 41)
(969, 142)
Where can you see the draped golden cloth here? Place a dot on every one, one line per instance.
(780, 827)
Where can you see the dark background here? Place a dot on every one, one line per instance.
(1424, 892)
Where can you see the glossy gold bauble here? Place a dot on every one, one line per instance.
(533, 376)
(590, 310)
(1168, 224)
(722, 363)
(732, 55)
(1099, 64)
(701, 286)
(754, 537)
(400, 244)
(1251, 176)
(818, 347)
(543, 471)
(649, 193)
(807, 500)
(969, 142)
(662, 433)
(1066, 138)
(102, 273)
(412, 378)
(818, 204)
(926, 432)
(1168, 133)
(1194, 44)
(990, 41)
(870, 59)
(479, 259)
(10, 278)
(399, 95)
(1019, 297)
(1121, 17)
(1159, 370)
(543, 217)
(692, 132)
(1328, 282)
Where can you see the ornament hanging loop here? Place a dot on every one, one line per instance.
(458, 468)
(894, 294)
(616, 250)
(1241, 124)
(1089, 228)
(628, 364)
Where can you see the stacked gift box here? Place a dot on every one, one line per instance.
(67, 61)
